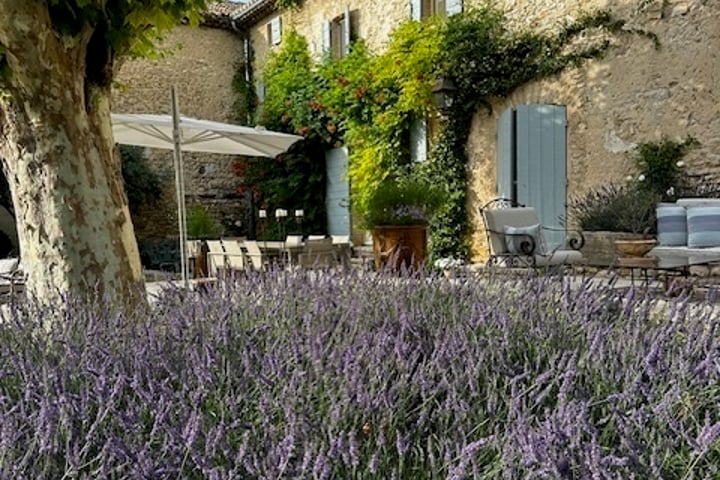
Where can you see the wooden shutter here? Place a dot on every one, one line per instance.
(506, 154)
(542, 165)
(453, 6)
(346, 31)
(416, 10)
(337, 192)
(326, 31)
(260, 90)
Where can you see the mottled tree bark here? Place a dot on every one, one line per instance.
(56, 145)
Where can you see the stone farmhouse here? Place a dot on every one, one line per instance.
(557, 137)
(560, 136)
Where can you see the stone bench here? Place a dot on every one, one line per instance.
(689, 228)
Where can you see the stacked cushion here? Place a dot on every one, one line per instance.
(703, 227)
(671, 225)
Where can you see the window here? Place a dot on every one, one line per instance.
(424, 9)
(336, 35)
(274, 31)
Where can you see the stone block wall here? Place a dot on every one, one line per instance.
(635, 94)
(201, 65)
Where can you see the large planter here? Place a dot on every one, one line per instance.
(599, 249)
(399, 246)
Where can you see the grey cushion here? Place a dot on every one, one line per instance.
(496, 220)
(671, 225)
(515, 236)
(558, 257)
(698, 202)
(703, 224)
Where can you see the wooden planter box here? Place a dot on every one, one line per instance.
(398, 246)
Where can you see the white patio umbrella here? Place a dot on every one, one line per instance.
(178, 133)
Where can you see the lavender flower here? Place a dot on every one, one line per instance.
(356, 375)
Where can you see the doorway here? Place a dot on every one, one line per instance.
(532, 163)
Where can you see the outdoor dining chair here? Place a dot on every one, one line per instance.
(258, 260)
(318, 253)
(293, 245)
(343, 248)
(12, 279)
(215, 257)
(234, 256)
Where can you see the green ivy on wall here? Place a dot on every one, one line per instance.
(287, 3)
(368, 101)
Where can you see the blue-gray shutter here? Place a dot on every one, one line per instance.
(454, 6)
(337, 192)
(418, 139)
(542, 165)
(505, 154)
(346, 31)
(260, 90)
(326, 29)
(416, 10)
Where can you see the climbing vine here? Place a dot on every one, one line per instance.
(368, 101)
(287, 3)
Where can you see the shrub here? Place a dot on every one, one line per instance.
(661, 167)
(143, 185)
(402, 201)
(201, 224)
(615, 209)
(357, 376)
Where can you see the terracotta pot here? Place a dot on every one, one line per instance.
(397, 246)
(634, 248)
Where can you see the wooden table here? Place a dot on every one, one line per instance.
(668, 265)
(277, 249)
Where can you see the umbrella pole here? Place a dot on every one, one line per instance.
(179, 187)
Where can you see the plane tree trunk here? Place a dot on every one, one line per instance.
(74, 227)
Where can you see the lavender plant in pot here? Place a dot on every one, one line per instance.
(398, 212)
(612, 214)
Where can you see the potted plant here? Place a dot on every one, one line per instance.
(398, 212)
(201, 226)
(611, 213)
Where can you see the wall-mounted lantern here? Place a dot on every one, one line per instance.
(443, 94)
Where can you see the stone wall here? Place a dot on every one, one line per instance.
(201, 66)
(635, 94)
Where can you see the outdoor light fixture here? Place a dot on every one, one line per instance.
(443, 92)
(299, 213)
(262, 214)
(280, 213)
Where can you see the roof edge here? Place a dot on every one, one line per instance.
(253, 12)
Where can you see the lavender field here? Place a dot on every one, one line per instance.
(355, 376)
